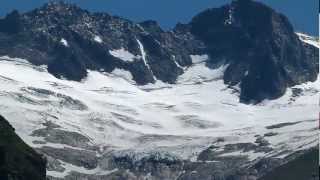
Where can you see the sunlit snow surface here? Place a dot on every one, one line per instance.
(123, 55)
(98, 39)
(309, 39)
(64, 42)
(182, 119)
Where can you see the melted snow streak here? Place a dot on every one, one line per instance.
(182, 119)
(144, 57)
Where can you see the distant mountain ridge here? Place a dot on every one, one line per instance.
(262, 53)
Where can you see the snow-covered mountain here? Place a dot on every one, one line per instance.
(262, 53)
(105, 98)
(85, 126)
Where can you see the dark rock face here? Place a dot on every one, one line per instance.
(43, 30)
(11, 24)
(17, 160)
(305, 166)
(263, 53)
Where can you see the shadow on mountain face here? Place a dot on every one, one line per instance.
(17, 160)
(306, 167)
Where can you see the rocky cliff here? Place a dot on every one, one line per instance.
(18, 161)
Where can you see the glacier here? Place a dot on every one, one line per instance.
(115, 116)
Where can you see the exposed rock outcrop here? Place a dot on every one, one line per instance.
(262, 51)
(17, 160)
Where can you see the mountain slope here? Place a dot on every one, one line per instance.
(105, 98)
(104, 125)
(263, 54)
(17, 160)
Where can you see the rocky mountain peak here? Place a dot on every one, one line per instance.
(151, 26)
(258, 45)
(11, 24)
(60, 7)
(57, 13)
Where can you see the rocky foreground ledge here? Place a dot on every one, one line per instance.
(17, 160)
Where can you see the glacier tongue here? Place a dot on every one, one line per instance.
(108, 113)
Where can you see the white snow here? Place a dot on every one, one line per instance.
(98, 39)
(159, 117)
(199, 58)
(177, 64)
(143, 53)
(64, 42)
(200, 73)
(123, 74)
(72, 168)
(123, 55)
(251, 154)
(144, 57)
(308, 39)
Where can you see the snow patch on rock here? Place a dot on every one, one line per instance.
(199, 58)
(64, 42)
(98, 39)
(309, 39)
(123, 55)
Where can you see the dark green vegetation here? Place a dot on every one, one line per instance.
(306, 167)
(17, 160)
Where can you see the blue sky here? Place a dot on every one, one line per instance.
(303, 14)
